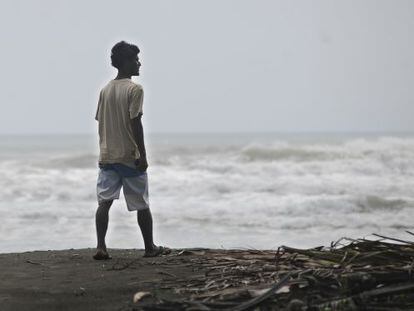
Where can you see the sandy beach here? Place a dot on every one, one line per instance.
(72, 280)
(348, 275)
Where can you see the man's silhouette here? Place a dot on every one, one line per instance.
(122, 157)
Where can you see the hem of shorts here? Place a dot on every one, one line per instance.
(136, 206)
(106, 200)
(138, 209)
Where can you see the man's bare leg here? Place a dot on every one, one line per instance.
(145, 223)
(144, 218)
(101, 220)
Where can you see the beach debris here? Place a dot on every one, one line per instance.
(81, 291)
(167, 273)
(139, 295)
(35, 263)
(120, 265)
(295, 305)
(255, 301)
(192, 251)
(75, 256)
(351, 274)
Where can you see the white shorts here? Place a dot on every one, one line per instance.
(135, 188)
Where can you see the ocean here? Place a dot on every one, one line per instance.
(241, 190)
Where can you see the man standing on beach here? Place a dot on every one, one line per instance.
(122, 157)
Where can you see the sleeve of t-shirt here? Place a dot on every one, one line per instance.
(97, 108)
(135, 106)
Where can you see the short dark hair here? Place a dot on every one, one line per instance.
(121, 52)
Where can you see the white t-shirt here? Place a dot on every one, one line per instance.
(119, 102)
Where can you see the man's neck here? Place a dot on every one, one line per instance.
(122, 75)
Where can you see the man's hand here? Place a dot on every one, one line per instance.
(142, 164)
(138, 133)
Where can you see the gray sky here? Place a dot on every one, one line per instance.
(211, 66)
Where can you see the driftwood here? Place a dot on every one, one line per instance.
(351, 274)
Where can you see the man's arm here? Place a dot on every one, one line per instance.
(138, 132)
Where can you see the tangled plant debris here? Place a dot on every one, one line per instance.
(351, 274)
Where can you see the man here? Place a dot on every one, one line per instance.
(122, 158)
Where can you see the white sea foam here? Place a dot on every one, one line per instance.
(257, 192)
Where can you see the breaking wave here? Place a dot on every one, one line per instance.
(358, 183)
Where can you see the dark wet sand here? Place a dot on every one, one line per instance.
(364, 274)
(72, 280)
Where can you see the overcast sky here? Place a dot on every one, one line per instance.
(212, 66)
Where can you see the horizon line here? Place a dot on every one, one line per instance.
(222, 132)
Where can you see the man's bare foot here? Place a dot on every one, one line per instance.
(157, 251)
(101, 254)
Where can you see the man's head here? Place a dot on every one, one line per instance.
(124, 57)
